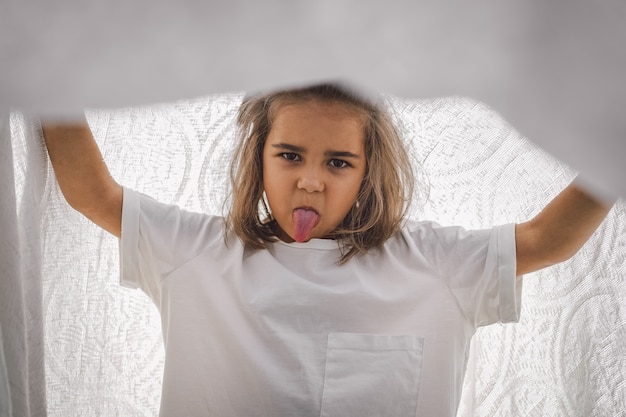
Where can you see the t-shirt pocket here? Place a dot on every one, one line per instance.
(372, 375)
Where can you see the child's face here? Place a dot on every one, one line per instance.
(313, 165)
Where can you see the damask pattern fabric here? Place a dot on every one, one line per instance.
(104, 354)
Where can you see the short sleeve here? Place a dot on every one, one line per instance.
(157, 238)
(479, 267)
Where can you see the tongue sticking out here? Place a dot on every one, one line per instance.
(304, 220)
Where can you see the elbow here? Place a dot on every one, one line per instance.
(95, 198)
(536, 249)
(78, 204)
(554, 257)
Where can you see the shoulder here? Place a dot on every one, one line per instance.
(417, 238)
(173, 223)
(426, 232)
(434, 240)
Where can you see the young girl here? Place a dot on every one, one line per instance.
(314, 297)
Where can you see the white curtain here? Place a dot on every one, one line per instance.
(22, 179)
(554, 69)
(103, 347)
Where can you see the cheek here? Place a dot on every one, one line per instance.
(355, 186)
(274, 185)
(346, 196)
(272, 180)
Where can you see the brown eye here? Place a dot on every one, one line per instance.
(338, 163)
(290, 156)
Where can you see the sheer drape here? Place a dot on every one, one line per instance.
(103, 347)
(22, 180)
(555, 69)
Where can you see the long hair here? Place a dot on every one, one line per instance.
(385, 192)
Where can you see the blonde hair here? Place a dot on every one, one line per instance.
(385, 192)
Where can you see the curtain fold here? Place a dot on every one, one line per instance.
(22, 169)
(103, 346)
(10, 286)
(5, 393)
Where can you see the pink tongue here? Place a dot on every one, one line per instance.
(305, 220)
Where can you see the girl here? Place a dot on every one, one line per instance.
(313, 296)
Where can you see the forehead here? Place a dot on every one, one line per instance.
(317, 120)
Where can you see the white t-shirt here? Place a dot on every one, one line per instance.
(288, 332)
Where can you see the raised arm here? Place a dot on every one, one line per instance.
(559, 230)
(82, 174)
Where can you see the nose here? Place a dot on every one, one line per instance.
(311, 182)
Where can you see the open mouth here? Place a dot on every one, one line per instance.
(304, 219)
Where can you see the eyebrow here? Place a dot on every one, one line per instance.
(294, 148)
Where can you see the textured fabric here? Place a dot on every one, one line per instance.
(555, 69)
(279, 332)
(23, 174)
(8, 273)
(104, 353)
